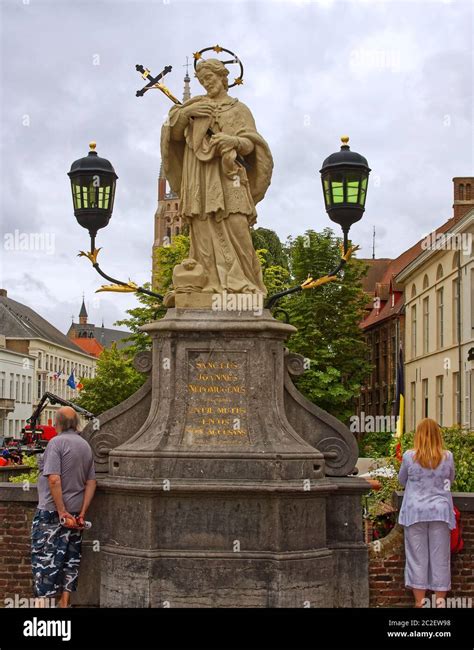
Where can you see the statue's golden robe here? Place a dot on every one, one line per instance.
(217, 195)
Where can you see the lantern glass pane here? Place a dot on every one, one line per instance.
(352, 190)
(337, 191)
(363, 190)
(327, 192)
(337, 188)
(76, 195)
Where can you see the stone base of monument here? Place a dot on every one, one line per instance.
(193, 300)
(220, 485)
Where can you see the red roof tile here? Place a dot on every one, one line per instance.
(394, 267)
(91, 346)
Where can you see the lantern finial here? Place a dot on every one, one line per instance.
(344, 139)
(92, 145)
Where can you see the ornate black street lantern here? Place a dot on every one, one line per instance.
(93, 181)
(344, 176)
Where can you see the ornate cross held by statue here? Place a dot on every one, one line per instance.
(155, 83)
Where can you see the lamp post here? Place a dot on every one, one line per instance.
(93, 182)
(344, 176)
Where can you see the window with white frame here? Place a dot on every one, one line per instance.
(455, 286)
(456, 391)
(426, 325)
(426, 409)
(440, 317)
(413, 331)
(467, 400)
(413, 404)
(439, 400)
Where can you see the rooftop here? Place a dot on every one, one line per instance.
(18, 321)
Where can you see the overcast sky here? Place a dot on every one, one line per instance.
(397, 77)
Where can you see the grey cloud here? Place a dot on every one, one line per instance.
(387, 73)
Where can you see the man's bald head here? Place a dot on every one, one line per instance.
(66, 418)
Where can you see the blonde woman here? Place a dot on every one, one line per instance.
(427, 513)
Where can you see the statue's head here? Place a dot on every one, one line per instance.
(212, 75)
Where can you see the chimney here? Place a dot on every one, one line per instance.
(463, 195)
(3, 293)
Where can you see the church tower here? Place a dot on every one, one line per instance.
(168, 223)
(187, 88)
(83, 313)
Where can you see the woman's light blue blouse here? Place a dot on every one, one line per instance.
(427, 494)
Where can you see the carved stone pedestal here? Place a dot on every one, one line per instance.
(226, 494)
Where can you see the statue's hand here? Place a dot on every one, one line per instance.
(224, 142)
(200, 109)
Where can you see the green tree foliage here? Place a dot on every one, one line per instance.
(276, 278)
(31, 475)
(166, 258)
(150, 309)
(268, 240)
(115, 380)
(327, 319)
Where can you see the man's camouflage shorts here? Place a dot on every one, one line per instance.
(55, 555)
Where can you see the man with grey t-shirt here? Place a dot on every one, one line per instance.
(66, 486)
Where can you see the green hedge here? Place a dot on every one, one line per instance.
(32, 475)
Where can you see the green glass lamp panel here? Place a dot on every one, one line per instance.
(352, 191)
(76, 195)
(363, 190)
(337, 191)
(100, 198)
(106, 197)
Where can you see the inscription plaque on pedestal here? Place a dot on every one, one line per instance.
(217, 396)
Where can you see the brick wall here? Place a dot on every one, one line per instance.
(17, 508)
(386, 565)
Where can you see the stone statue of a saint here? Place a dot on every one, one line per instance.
(218, 195)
